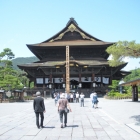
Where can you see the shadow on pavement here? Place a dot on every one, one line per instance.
(133, 101)
(48, 127)
(137, 119)
(72, 126)
(99, 108)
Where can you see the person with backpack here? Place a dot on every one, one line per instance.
(63, 107)
(95, 100)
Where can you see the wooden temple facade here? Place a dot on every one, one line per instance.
(89, 68)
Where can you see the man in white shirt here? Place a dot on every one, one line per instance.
(91, 97)
(77, 97)
(82, 99)
(71, 97)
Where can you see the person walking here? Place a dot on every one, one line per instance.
(68, 97)
(82, 99)
(74, 97)
(62, 106)
(95, 100)
(39, 109)
(91, 97)
(71, 97)
(56, 98)
(77, 97)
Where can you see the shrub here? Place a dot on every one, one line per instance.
(113, 94)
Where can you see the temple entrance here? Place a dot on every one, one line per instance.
(74, 84)
(86, 85)
(58, 86)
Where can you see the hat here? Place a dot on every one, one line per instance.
(38, 93)
(62, 95)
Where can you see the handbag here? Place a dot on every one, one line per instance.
(66, 110)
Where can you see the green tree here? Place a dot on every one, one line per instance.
(123, 49)
(114, 85)
(8, 76)
(5, 57)
(135, 74)
(22, 76)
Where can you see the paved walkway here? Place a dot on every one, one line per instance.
(17, 122)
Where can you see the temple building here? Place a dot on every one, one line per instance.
(89, 67)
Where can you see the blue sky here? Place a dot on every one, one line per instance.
(33, 21)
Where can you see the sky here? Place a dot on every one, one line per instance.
(34, 21)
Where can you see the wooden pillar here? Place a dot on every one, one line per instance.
(110, 80)
(21, 96)
(92, 78)
(29, 84)
(35, 82)
(101, 79)
(80, 83)
(110, 77)
(1, 96)
(50, 78)
(80, 78)
(134, 93)
(64, 82)
(64, 78)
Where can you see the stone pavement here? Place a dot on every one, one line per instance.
(17, 122)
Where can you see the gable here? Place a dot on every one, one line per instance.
(72, 33)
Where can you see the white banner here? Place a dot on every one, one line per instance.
(58, 80)
(86, 79)
(105, 80)
(47, 80)
(39, 80)
(74, 78)
(97, 79)
(83, 79)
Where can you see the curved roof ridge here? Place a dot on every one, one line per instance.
(72, 21)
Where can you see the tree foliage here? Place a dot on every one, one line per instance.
(123, 49)
(10, 78)
(135, 74)
(114, 85)
(5, 57)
